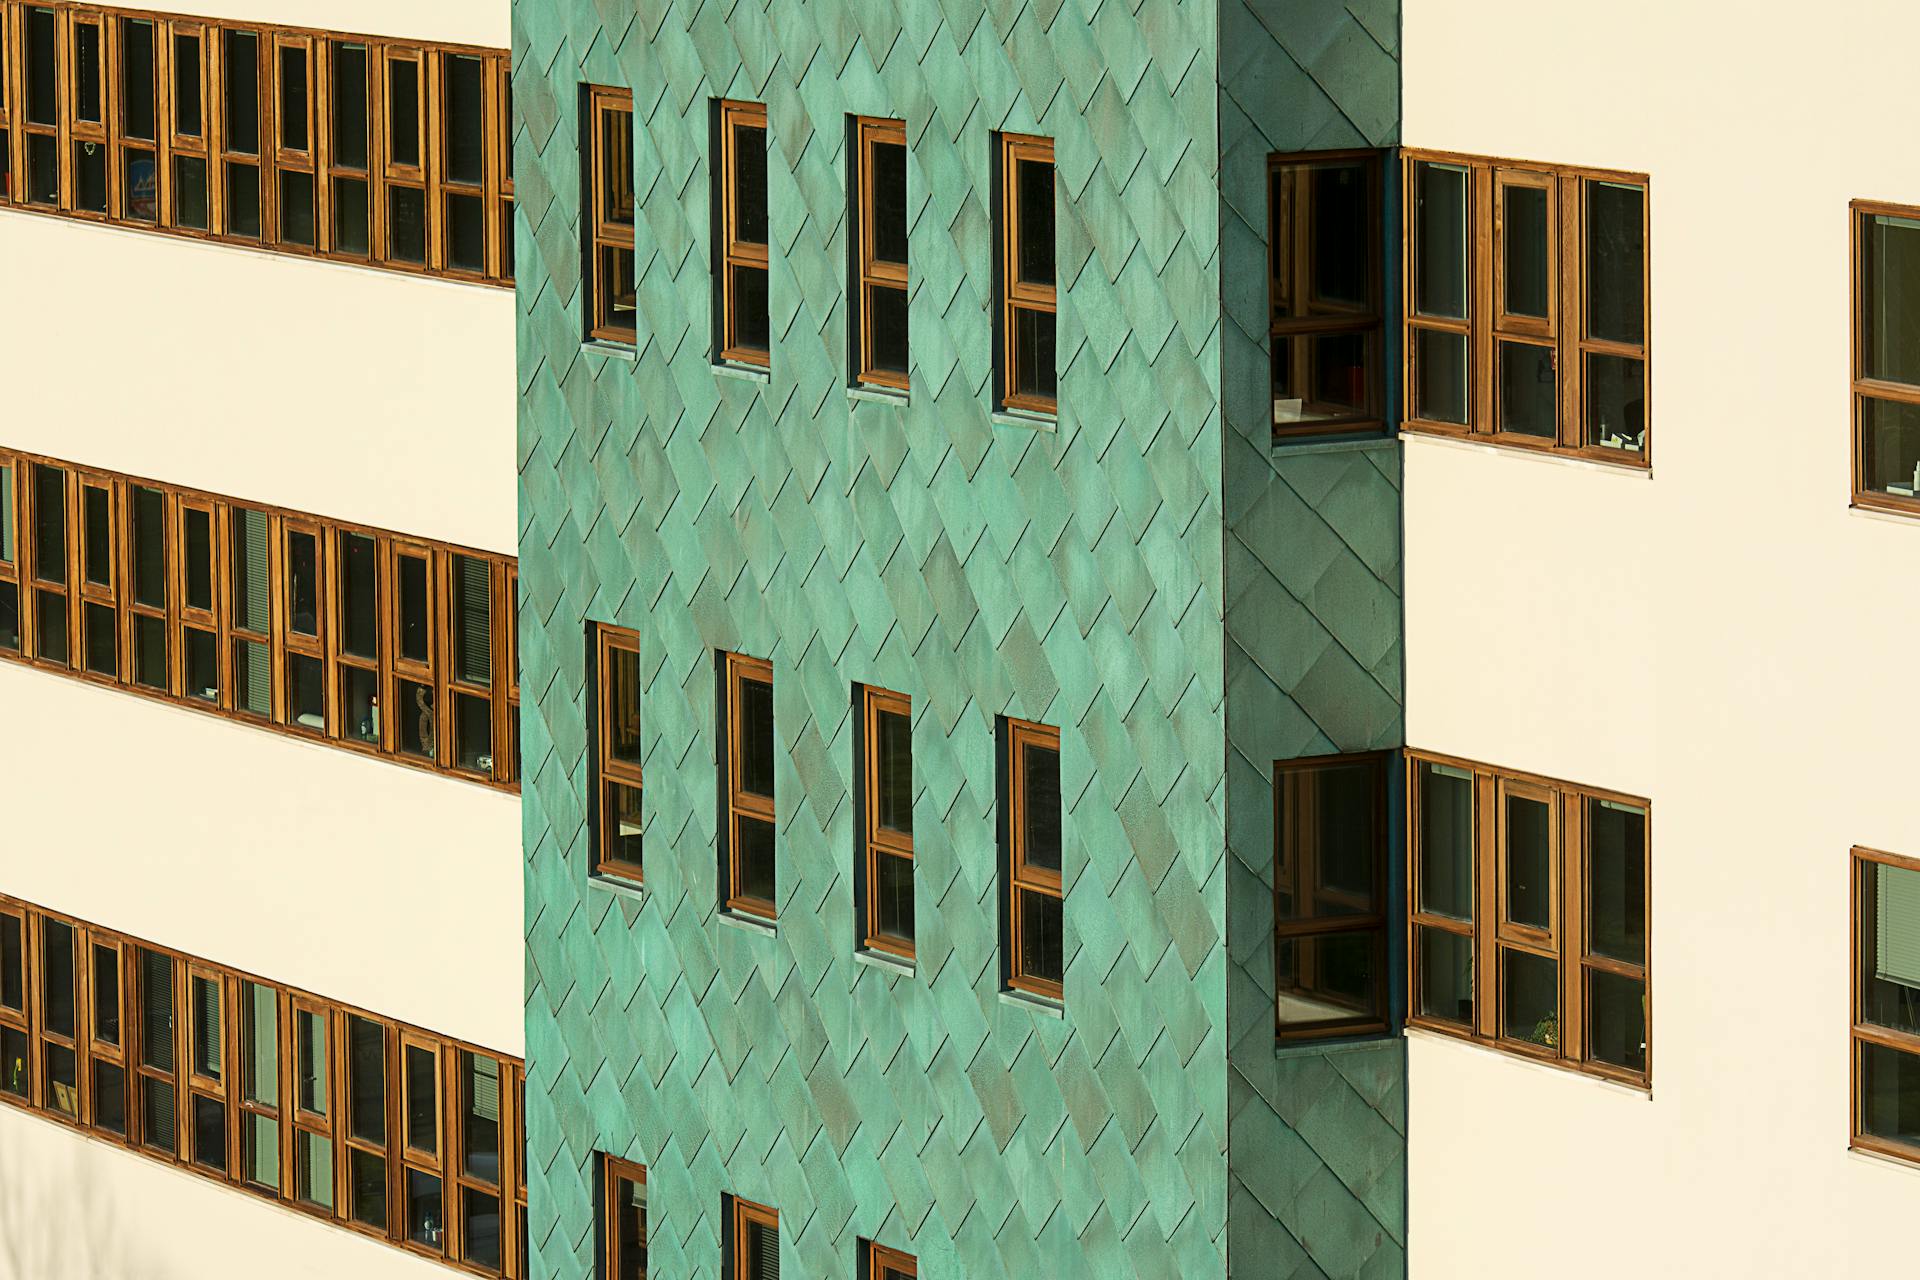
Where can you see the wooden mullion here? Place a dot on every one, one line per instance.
(1486, 988)
(1575, 866)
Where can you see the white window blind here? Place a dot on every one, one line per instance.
(1897, 925)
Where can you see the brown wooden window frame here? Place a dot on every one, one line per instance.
(607, 237)
(1016, 296)
(614, 1171)
(46, 1039)
(737, 804)
(733, 253)
(1293, 827)
(1495, 938)
(1865, 1033)
(211, 147)
(1291, 276)
(1022, 878)
(878, 841)
(71, 594)
(742, 1215)
(609, 773)
(461, 1181)
(1563, 332)
(878, 1262)
(872, 273)
(1865, 390)
(11, 488)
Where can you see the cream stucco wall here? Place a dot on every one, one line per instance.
(1723, 636)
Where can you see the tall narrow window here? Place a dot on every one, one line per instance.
(1886, 1004)
(1526, 315)
(406, 165)
(1028, 379)
(240, 138)
(1036, 895)
(423, 1189)
(106, 1039)
(40, 103)
(463, 167)
(303, 553)
(883, 1263)
(746, 781)
(293, 138)
(880, 283)
(1330, 895)
(366, 1116)
(50, 574)
(1325, 293)
(617, 816)
(349, 167)
(1534, 892)
(1886, 375)
(207, 1068)
(356, 559)
(16, 1054)
(9, 562)
(249, 551)
(415, 722)
(612, 310)
(260, 1087)
(753, 1241)
(59, 1019)
(139, 133)
(188, 204)
(159, 1110)
(742, 242)
(7, 39)
(199, 622)
(480, 1080)
(99, 592)
(151, 590)
(470, 673)
(87, 116)
(623, 1221)
(312, 1107)
(886, 786)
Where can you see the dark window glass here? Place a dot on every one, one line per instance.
(149, 547)
(350, 227)
(466, 233)
(209, 1132)
(310, 1061)
(367, 1187)
(424, 1209)
(756, 737)
(243, 201)
(757, 879)
(86, 72)
(403, 111)
(763, 1251)
(1446, 841)
(1616, 1020)
(423, 1099)
(90, 177)
(1890, 1094)
(465, 119)
(359, 596)
(13, 983)
(42, 93)
(1890, 303)
(1529, 391)
(50, 621)
(350, 106)
(186, 86)
(100, 639)
(1888, 931)
(49, 523)
(296, 208)
(480, 1115)
(1440, 279)
(1033, 205)
(242, 62)
(96, 506)
(303, 584)
(158, 1119)
(1041, 954)
(209, 1057)
(629, 1229)
(893, 897)
(889, 201)
(406, 224)
(109, 1097)
(414, 645)
(752, 327)
(259, 1044)
(1341, 218)
(616, 166)
(750, 184)
(1616, 881)
(1033, 342)
(1527, 235)
(43, 169)
(889, 327)
(367, 1077)
(472, 619)
(156, 1011)
(293, 98)
(623, 705)
(199, 528)
(1616, 262)
(418, 731)
(1529, 839)
(1530, 998)
(894, 754)
(137, 81)
(1041, 810)
(106, 994)
(57, 978)
(190, 192)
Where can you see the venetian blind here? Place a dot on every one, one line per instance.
(473, 606)
(1897, 925)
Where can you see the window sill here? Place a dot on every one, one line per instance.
(1626, 465)
(617, 887)
(1886, 507)
(750, 924)
(893, 966)
(1293, 445)
(1034, 1004)
(1372, 1040)
(876, 395)
(754, 373)
(1883, 1159)
(611, 350)
(1029, 421)
(1527, 1062)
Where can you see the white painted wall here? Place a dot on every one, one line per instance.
(1724, 636)
(343, 391)
(356, 879)
(474, 22)
(73, 1208)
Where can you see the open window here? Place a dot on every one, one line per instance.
(1330, 896)
(1325, 293)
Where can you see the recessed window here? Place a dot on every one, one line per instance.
(481, 1081)
(880, 284)
(366, 1115)
(158, 1112)
(1036, 897)
(746, 782)
(885, 762)
(1324, 293)
(1886, 1005)
(617, 817)
(882, 1263)
(611, 309)
(260, 1087)
(753, 1241)
(623, 1222)
(1886, 375)
(1527, 316)
(741, 200)
(59, 1025)
(1025, 236)
(1330, 895)
(16, 1056)
(1529, 922)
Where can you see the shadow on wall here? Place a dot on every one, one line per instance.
(57, 1223)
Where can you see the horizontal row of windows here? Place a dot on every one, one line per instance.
(1030, 836)
(878, 276)
(380, 152)
(750, 1248)
(370, 640)
(389, 1130)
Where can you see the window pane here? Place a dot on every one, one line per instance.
(472, 733)
(10, 616)
(41, 84)
(313, 1169)
(367, 1185)
(252, 601)
(750, 184)
(887, 320)
(623, 705)
(1340, 232)
(49, 523)
(1890, 1094)
(63, 1080)
(756, 859)
(207, 1037)
(259, 1044)
(893, 897)
(242, 64)
(1446, 975)
(618, 308)
(13, 961)
(158, 1120)
(1529, 998)
(359, 596)
(472, 620)
(16, 1075)
(366, 1080)
(403, 111)
(629, 1229)
(889, 179)
(417, 729)
(1617, 1020)
(199, 537)
(1330, 977)
(623, 824)
(1890, 446)
(209, 1118)
(350, 106)
(106, 994)
(465, 118)
(751, 326)
(186, 86)
(109, 1097)
(260, 1161)
(1329, 840)
(616, 166)
(1528, 833)
(756, 737)
(1889, 933)
(1440, 376)
(296, 208)
(1041, 954)
(1033, 206)
(414, 645)
(425, 1217)
(763, 1251)
(480, 1115)
(141, 178)
(423, 1099)
(481, 1222)
(90, 177)
(310, 1061)
(43, 169)
(96, 560)
(1616, 255)
(156, 1011)
(1446, 841)
(86, 71)
(303, 583)
(150, 651)
(1616, 402)
(57, 974)
(50, 623)
(100, 637)
(406, 224)
(1040, 807)
(1617, 884)
(466, 233)
(1322, 377)
(190, 192)
(149, 547)
(252, 678)
(202, 660)
(893, 760)
(1528, 390)
(1441, 243)
(1890, 309)
(293, 98)
(1527, 239)
(1033, 354)
(137, 78)
(6, 514)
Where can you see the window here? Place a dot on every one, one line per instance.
(882, 1263)
(1886, 1004)
(1036, 897)
(746, 782)
(1534, 892)
(1886, 375)
(616, 773)
(1330, 895)
(884, 744)
(623, 1224)
(753, 1241)
(336, 1111)
(287, 620)
(1511, 339)
(741, 200)
(1324, 293)
(202, 128)
(880, 283)
(612, 311)
(1026, 273)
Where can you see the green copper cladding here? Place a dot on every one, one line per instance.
(1094, 577)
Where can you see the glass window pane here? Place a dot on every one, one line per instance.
(406, 224)
(42, 93)
(425, 1217)
(1616, 402)
(1322, 377)
(1616, 1020)
(367, 1185)
(423, 1099)
(466, 233)
(1041, 944)
(86, 72)
(293, 98)
(1033, 206)
(1890, 447)
(252, 601)
(480, 1115)
(149, 547)
(751, 325)
(252, 678)
(150, 651)
(1033, 333)
(480, 1220)
(359, 596)
(616, 161)
(465, 118)
(763, 1251)
(209, 1119)
(207, 1037)
(893, 897)
(63, 1080)
(6, 515)
(303, 583)
(106, 994)
(889, 180)
(893, 763)
(313, 1169)
(1617, 884)
(1890, 1094)
(1329, 840)
(1040, 806)
(414, 608)
(156, 1011)
(260, 1044)
(50, 626)
(199, 539)
(416, 727)
(96, 560)
(1529, 998)
(260, 1160)
(1330, 977)
(10, 616)
(296, 208)
(1441, 240)
(1446, 975)
(1889, 933)
(757, 877)
(242, 63)
(629, 1229)
(366, 1080)
(1890, 306)
(13, 962)
(472, 620)
(1528, 834)
(349, 105)
(202, 661)
(623, 705)
(109, 1097)
(1340, 236)
(887, 322)
(1526, 236)
(310, 1061)
(57, 978)
(756, 737)
(186, 87)
(190, 203)
(403, 111)
(16, 1071)
(750, 184)
(306, 692)
(623, 824)
(1446, 841)
(100, 637)
(1616, 262)
(1529, 391)
(1440, 376)
(619, 308)
(49, 523)
(159, 1121)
